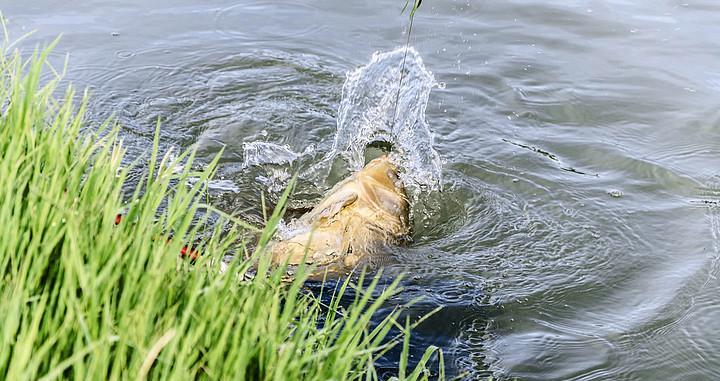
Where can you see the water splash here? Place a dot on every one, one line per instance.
(275, 158)
(260, 153)
(377, 106)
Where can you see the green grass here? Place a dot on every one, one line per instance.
(84, 298)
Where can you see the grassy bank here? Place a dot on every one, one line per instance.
(88, 294)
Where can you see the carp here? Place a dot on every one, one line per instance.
(357, 218)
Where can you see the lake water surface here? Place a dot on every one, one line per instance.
(576, 235)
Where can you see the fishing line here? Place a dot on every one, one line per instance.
(416, 5)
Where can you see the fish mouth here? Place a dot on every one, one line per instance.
(379, 166)
(376, 149)
(383, 171)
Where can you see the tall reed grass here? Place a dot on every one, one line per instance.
(88, 294)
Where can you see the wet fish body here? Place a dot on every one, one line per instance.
(357, 218)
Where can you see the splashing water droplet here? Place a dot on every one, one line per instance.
(259, 153)
(376, 106)
(371, 110)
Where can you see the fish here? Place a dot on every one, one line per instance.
(356, 219)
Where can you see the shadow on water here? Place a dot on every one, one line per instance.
(459, 311)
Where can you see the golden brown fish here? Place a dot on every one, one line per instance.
(358, 217)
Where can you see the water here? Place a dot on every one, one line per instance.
(378, 104)
(385, 100)
(576, 235)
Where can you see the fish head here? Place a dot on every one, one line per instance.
(383, 171)
(384, 203)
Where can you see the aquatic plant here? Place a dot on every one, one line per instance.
(92, 283)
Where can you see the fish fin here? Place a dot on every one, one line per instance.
(337, 204)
